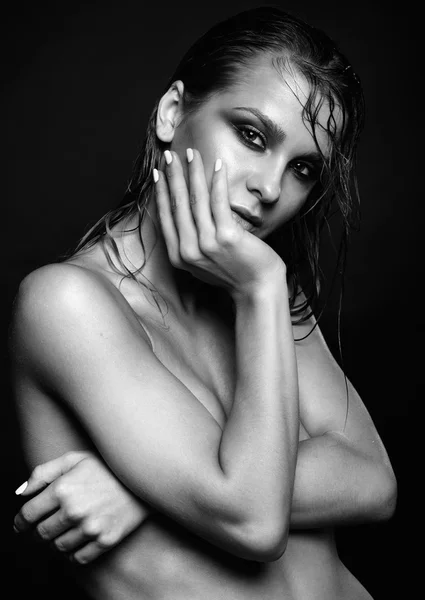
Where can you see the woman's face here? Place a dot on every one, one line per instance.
(256, 128)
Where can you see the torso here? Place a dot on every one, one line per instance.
(161, 560)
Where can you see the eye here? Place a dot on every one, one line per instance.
(304, 171)
(251, 136)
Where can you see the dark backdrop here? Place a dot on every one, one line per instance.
(79, 83)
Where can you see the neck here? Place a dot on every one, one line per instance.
(184, 294)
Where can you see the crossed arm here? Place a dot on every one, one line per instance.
(240, 486)
(342, 475)
(152, 432)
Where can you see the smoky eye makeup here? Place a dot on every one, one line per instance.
(305, 171)
(250, 135)
(248, 129)
(257, 132)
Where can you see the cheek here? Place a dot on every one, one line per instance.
(201, 139)
(294, 195)
(218, 142)
(210, 143)
(291, 202)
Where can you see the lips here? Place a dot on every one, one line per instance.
(246, 215)
(243, 222)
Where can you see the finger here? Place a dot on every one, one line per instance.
(220, 205)
(179, 201)
(93, 550)
(165, 216)
(54, 526)
(36, 509)
(76, 537)
(199, 196)
(70, 541)
(88, 553)
(47, 472)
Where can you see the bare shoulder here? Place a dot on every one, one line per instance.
(48, 280)
(52, 289)
(69, 303)
(57, 280)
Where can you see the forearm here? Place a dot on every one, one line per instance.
(259, 444)
(335, 484)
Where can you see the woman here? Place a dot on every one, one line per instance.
(190, 396)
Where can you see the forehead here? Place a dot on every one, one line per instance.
(281, 92)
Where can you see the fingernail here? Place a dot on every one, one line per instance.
(189, 154)
(218, 164)
(15, 529)
(21, 488)
(168, 157)
(155, 175)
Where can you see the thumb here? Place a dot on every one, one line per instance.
(47, 472)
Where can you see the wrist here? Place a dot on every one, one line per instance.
(269, 288)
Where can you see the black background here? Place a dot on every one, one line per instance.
(80, 80)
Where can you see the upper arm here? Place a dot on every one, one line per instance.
(70, 333)
(328, 400)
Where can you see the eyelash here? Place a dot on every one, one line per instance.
(242, 130)
(312, 175)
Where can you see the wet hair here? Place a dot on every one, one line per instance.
(212, 65)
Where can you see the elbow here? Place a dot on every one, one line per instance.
(382, 503)
(263, 542)
(389, 492)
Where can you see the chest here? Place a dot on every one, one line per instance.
(202, 357)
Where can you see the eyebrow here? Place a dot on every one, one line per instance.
(272, 128)
(278, 133)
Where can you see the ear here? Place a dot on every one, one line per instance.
(169, 112)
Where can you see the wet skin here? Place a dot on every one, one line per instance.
(276, 161)
(270, 172)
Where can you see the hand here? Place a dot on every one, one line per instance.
(201, 233)
(79, 506)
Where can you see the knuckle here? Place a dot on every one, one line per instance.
(193, 198)
(64, 520)
(37, 472)
(42, 532)
(207, 244)
(226, 236)
(91, 528)
(59, 545)
(174, 203)
(73, 514)
(171, 173)
(189, 254)
(175, 260)
(71, 511)
(26, 515)
(80, 559)
(186, 255)
(61, 489)
(107, 540)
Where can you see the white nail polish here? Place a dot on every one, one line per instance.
(189, 154)
(21, 488)
(218, 164)
(168, 157)
(155, 175)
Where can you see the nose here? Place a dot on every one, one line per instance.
(265, 182)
